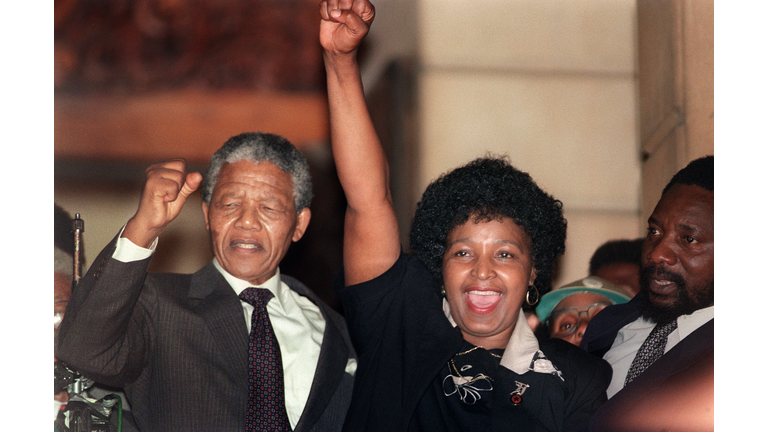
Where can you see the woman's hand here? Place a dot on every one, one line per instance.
(344, 24)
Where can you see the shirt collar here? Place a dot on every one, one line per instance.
(272, 284)
(687, 324)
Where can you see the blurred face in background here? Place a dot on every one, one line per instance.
(570, 316)
(624, 275)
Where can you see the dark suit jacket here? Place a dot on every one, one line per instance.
(178, 345)
(688, 365)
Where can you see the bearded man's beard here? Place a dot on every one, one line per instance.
(686, 299)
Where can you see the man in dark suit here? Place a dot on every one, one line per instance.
(676, 302)
(179, 344)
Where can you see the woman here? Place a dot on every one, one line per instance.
(441, 342)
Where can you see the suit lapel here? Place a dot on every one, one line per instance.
(426, 354)
(330, 369)
(215, 301)
(331, 364)
(691, 357)
(678, 358)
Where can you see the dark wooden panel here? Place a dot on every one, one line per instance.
(189, 124)
(128, 46)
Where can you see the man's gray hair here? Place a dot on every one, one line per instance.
(63, 262)
(259, 147)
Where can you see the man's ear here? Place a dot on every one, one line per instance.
(302, 222)
(205, 216)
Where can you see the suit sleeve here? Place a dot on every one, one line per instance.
(106, 330)
(588, 393)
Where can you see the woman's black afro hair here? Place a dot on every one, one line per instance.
(485, 189)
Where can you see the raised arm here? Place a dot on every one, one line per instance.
(104, 334)
(166, 190)
(371, 234)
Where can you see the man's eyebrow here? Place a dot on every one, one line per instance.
(691, 228)
(226, 191)
(681, 226)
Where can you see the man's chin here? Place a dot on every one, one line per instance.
(663, 301)
(660, 308)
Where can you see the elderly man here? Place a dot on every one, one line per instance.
(661, 343)
(180, 344)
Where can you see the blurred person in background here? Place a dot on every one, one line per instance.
(618, 262)
(566, 311)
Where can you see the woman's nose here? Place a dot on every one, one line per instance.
(484, 269)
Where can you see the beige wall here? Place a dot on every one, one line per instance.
(550, 83)
(184, 247)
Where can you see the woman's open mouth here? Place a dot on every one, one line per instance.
(482, 301)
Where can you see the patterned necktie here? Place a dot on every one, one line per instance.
(650, 350)
(266, 395)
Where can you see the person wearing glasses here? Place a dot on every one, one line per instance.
(566, 311)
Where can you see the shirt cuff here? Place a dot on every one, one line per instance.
(127, 251)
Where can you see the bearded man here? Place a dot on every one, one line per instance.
(661, 344)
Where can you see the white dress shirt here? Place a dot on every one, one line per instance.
(632, 335)
(298, 324)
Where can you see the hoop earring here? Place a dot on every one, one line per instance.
(532, 299)
(442, 290)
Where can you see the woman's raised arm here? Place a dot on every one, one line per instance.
(371, 234)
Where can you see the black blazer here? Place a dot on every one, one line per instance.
(178, 343)
(686, 367)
